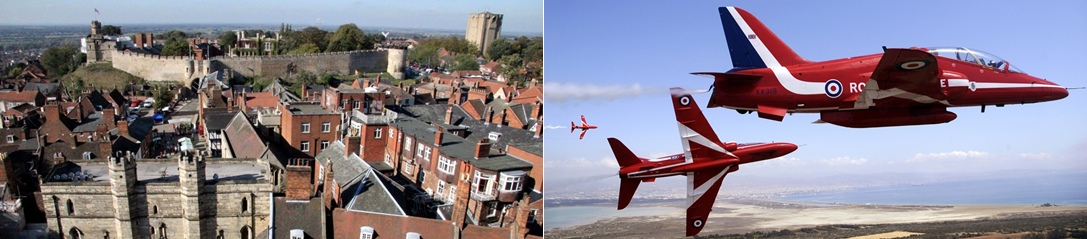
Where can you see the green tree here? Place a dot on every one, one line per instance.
(306, 78)
(228, 39)
(58, 61)
(465, 62)
(163, 97)
(173, 34)
(315, 36)
(305, 48)
(500, 48)
(175, 47)
(111, 30)
(426, 55)
(347, 37)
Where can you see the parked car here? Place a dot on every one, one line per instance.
(135, 103)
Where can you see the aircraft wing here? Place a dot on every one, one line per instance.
(702, 188)
(903, 77)
(583, 123)
(699, 140)
(582, 134)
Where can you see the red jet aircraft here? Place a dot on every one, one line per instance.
(585, 127)
(897, 87)
(705, 161)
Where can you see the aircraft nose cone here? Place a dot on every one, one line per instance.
(1060, 93)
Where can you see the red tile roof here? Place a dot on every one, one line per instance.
(15, 96)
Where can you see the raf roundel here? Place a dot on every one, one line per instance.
(912, 65)
(833, 88)
(697, 223)
(685, 100)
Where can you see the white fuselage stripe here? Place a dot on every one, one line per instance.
(787, 80)
(694, 193)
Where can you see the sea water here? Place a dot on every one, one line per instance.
(1034, 189)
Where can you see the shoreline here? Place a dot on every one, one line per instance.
(733, 216)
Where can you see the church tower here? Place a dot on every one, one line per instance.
(122, 178)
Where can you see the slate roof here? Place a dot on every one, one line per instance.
(216, 120)
(299, 214)
(523, 139)
(89, 124)
(244, 141)
(47, 89)
(359, 185)
(460, 148)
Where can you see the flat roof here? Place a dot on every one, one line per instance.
(162, 171)
(309, 109)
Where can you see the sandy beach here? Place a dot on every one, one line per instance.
(731, 217)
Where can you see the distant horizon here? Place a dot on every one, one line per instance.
(272, 25)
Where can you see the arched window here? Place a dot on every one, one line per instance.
(220, 236)
(105, 234)
(245, 204)
(162, 231)
(155, 210)
(75, 233)
(71, 207)
(245, 232)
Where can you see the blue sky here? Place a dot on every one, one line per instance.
(613, 62)
(519, 16)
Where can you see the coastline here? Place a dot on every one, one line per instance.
(738, 216)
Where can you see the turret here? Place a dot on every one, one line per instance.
(122, 177)
(191, 176)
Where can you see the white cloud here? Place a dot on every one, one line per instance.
(554, 127)
(1035, 156)
(844, 160)
(558, 91)
(948, 155)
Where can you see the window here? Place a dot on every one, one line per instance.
(407, 143)
(445, 165)
(419, 150)
(305, 127)
(245, 232)
(366, 233)
(162, 231)
(388, 159)
(86, 155)
(324, 144)
(11, 138)
(513, 183)
(245, 204)
(71, 207)
(441, 188)
(305, 146)
(452, 196)
(407, 168)
(155, 210)
(483, 182)
(377, 133)
(325, 127)
(357, 103)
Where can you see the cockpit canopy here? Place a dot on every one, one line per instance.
(973, 56)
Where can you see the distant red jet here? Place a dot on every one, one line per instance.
(705, 161)
(912, 86)
(585, 127)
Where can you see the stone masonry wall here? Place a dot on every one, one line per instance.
(154, 67)
(336, 63)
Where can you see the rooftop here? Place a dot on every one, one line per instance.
(308, 108)
(167, 171)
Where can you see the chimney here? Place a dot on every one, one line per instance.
(351, 145)
(242, 98)
(52, 112)
(109, 116)
(537, 110)
(539, 128)
(105, 148)
(483, 148)
(438, 134)
(449, 115)
(122, 128)
(299, 178)
(75, 138)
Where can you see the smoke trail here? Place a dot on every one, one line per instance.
(554, 127)
(564, 183)
(558, 91)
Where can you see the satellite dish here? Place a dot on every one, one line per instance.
(56, 177)
(215, 176)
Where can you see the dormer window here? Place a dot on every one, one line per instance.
(86, 155)
(11, 138)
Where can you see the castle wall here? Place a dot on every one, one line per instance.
(337, 63)
(157, 204)
(154, 67)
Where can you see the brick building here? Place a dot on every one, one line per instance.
(309, 127)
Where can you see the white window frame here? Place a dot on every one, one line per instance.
(11, 138)
(324, 144)
(513, 183)
(326, 127)
(377, 133)
(408, 169)
(388, 159)
(451, 197)
(486, 186)
(419, 150)
(407, 143)
(441, 189)
(446, 165)
(305, 146)
(86, 155)
(305, 128)
(426, 153)
(357, 104)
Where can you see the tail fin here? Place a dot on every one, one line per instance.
(572, 127)
(752, 44)
(627, 186)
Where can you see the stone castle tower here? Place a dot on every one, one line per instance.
(122, 177)
(483, 29)
(191, 173)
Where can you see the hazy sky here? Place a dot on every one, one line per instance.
(519, 16)
(614, 62)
